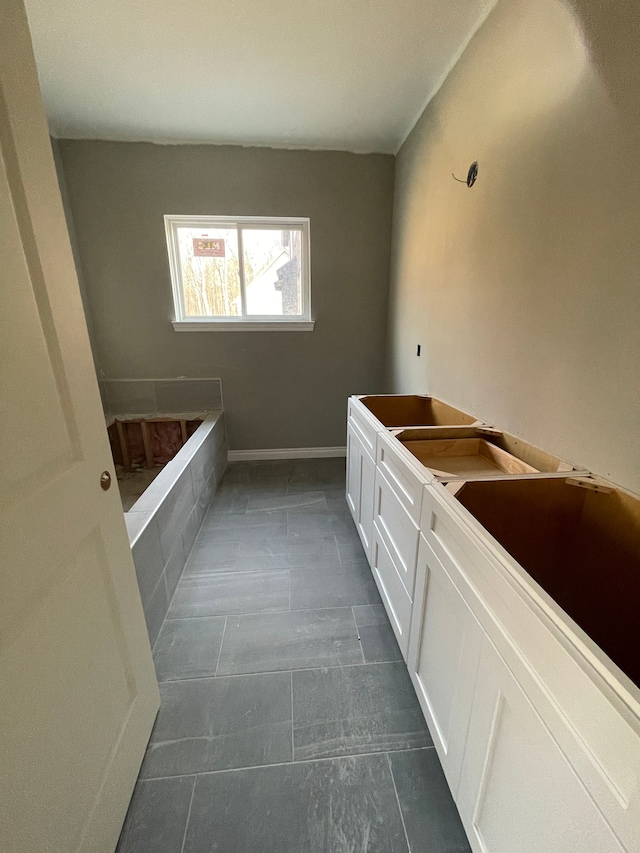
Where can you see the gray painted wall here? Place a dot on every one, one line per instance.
(281, 389)
(524, 290)
(57, 159)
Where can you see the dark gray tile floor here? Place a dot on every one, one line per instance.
(288, 721)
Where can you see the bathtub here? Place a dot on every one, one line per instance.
(164, 522)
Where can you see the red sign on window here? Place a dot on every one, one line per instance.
(206, 247)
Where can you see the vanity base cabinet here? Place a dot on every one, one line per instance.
(537, 730)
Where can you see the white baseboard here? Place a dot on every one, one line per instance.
(287, 453)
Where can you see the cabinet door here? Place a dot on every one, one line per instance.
(353, 473)
(366, 499)
(518, 790)
(444, 652)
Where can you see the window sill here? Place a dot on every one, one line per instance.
(243, 325)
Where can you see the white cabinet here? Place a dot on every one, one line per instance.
(444, 652)
(537, 731)
(361, 471)
(519, 790)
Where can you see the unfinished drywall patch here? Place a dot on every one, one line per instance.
(524, 289)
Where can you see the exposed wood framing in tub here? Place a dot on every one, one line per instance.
(134, 443)
(123, 446)
(148, 452)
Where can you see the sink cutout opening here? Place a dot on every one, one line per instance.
(582, 547)
(496, 452)
(464, 456)
(415, 410)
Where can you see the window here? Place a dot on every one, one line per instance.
(239, 273)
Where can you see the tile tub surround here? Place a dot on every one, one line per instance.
(288, 721)
(152, 396)
(164, 522)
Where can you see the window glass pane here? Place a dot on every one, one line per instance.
(210, 272)
(273, 271)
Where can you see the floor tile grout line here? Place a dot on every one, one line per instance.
(223, 574)
(203, 572)
(266, 612)
(186, 826)
(253, 527)
(281, 671)
(234, 615)
(290, 763)
(225, 570)
(293, 748)
(209, 529)
(271, 518)
(224, 629)
(395, 789)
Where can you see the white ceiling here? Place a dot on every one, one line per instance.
(345, 74)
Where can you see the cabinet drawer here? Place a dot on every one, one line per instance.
(394, 596)
(361, 421)
(398, 530)
(404, 474)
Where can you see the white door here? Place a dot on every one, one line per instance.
(77, 688)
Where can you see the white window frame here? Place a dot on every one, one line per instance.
(290, 323)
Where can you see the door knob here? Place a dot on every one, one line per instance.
(105, 480)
